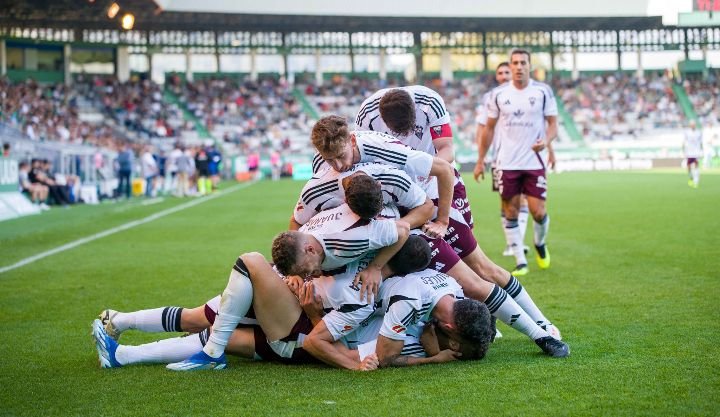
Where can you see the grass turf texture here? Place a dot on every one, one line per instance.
(633, 287)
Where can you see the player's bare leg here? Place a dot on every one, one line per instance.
(276, 307)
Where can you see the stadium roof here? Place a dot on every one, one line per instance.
(68, 14)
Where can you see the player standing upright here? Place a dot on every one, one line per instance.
(693, 148)
(524, 112)
(502, 75)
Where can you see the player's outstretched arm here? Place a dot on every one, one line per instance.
(320, 344)
(446, 179)
(389, 354)
(371, 277)
(420, 214)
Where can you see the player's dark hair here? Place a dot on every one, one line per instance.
(520, 51)
(397, 110)
(364, 196)
(415, 255)
(284, 252)
(502, 64)
(330, 134)
(474, 324)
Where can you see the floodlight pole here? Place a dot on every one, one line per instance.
(417, 40)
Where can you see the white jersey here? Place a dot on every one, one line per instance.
(382, 148)
(430, 113)
(520, 118)
(345, 312)
(408, 301)
(325, 190)
(345, 237)
(692, 144)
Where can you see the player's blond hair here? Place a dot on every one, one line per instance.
(330, 135)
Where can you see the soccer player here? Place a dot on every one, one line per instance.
(281, 326)
(415, 115)
(428, 296)
(329, 188)
(502, 75)
(693, 148)
(341, 149)
(329, 241)
(522, 115)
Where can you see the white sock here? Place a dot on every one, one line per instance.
(522, 298)
(512, 236)
(234, 305)
(163, 319)
(695, 175)
(510, 313)
(171, 350)
(541, 230)
(522, 223)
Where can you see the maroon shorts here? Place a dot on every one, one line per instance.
(460, 200)
(530, 182)
(691, 161)
(443, 255)
(262, 348)
(460, 237)
(495, 179)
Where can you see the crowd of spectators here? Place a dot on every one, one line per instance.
(248, 114)
(704, 94)
(136, 105)
(620, 105)
(48, 113)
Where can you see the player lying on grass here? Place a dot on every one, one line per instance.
(342, 149)
(327, 242)
(279, 312)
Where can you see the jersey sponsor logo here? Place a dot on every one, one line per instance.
(419, 131)
(398, 329)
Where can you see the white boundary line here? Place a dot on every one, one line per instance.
(122, 227)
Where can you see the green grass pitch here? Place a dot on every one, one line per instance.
(634, 287)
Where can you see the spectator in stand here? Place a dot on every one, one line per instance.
(6, 150)
(38, 192)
